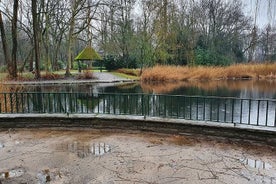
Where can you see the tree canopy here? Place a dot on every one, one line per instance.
(48, 35)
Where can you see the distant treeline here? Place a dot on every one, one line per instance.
(48, 34)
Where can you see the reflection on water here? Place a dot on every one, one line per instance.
(231, 88)
(257, 164)
(12, 173)
(83, 150)
(44, 176)
(239, 88)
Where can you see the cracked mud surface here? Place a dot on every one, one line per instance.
(89, 156)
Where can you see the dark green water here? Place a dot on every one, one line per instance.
(240, 89)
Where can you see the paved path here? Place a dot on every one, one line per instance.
(101, 77)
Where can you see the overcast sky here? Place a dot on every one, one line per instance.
(265, 14)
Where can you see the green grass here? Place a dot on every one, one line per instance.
(125, 76)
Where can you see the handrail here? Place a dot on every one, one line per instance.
(258, 112)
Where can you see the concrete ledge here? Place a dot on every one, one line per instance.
(264, 135)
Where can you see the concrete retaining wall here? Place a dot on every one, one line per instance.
(264, 135)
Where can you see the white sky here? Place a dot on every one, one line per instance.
(265, 14)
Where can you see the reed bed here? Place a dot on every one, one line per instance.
(178, 73)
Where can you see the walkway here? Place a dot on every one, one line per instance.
(101, 77)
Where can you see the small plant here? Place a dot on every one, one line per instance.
(51, 76)
(85, 75)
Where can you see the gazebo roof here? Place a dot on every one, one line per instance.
(88, 53)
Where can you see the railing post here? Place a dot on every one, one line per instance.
(218, 103)
(142, 99)
(225, 110)
(258, 112)
(211, 109)
(249, 112)
(275, 114)
(5, 101)
(233, 109)
(204, 108)
(266, 115)
(241, 111)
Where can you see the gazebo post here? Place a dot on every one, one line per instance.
(79, 67)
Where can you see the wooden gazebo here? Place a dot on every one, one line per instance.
(87, 54)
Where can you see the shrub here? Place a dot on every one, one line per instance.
(85, 75)
(113, 62)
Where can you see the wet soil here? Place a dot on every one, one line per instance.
(90, 156)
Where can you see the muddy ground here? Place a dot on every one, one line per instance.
(90, 156)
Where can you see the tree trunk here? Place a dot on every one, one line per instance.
(4, 41)
(36, 41)
(13, 65)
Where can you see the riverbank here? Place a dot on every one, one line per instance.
(233, 72)
(98, 77)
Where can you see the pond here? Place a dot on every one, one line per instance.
(245, 102)
(241, 89)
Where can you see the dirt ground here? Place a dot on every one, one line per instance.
(90, 156)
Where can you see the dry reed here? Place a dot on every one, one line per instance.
(240, 71)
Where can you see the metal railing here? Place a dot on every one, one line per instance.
(259, 112)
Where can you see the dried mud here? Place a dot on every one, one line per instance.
(89, 156)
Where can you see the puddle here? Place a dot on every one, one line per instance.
(100, 149)
(45, 176)
(12, 173)
(257, 164)
(83, 150)
(1, 145)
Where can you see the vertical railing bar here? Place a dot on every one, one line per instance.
(197, 108)
(28, 103)
(184, 107)
(171, 104)
(87, 102)
(6, 105)
(266, 115)
(190, 101)
(65, 102)
(109, 104)
(11, 102)
(49, 102)
(16, 102)
(22, 102)
(241, 106)
(119, 100)
(249, 112)
(177, 101)
(99, 103)
(104, 103)
(114, 104)
(60, 102)
(43, 103)
(225, 110)
(165, 105)
(204, 108)
(258, 112)
(218, 105)
(233, 110)
(92, 103)
(211, 109)
(275, 114)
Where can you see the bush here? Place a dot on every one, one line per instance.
(85, 75)
(83, 65)
(210, 58)
(113, 62)
(3, 68)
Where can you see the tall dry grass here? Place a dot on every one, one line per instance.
(240, 71)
